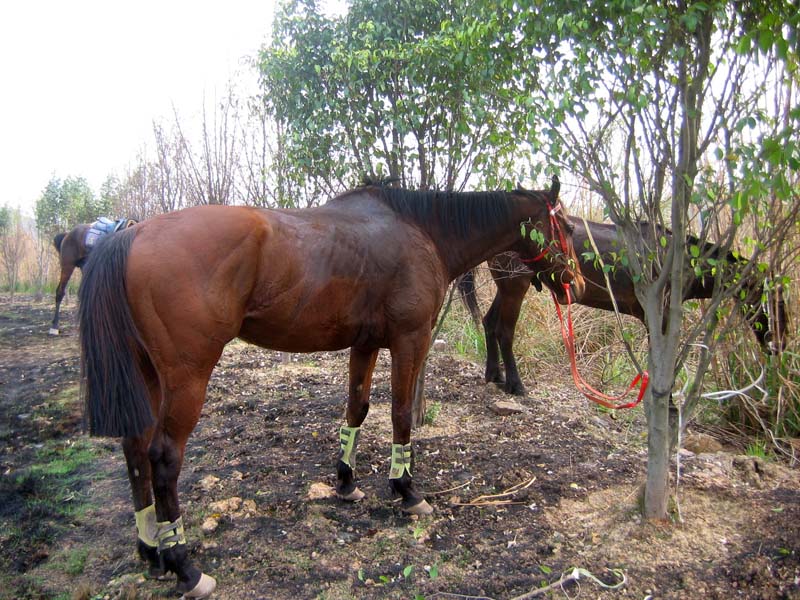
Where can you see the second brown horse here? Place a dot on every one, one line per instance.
(767, 321)
(368, 270)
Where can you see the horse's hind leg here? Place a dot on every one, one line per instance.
(66, 273)
(138, 461)
(180, 412)
(493, 372)
(362, 364)
(508, 315)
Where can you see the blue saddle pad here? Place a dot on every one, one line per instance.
(103, 226)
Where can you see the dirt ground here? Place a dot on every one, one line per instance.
(561, 480)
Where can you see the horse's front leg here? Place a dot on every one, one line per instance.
(408, 353)
(362, 364)
(66, 273)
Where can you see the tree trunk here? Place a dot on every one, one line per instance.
(656, 405)
(419, 406)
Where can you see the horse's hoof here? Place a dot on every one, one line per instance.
(515, 390)
(204, 588)
(353, 496)
(421, 508)
(53, 331)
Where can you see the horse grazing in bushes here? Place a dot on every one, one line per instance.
(513, 281)
(368, 270)
(73, 248)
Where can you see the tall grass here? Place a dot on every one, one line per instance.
(538, 344)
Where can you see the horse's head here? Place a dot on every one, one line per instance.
(549, 250)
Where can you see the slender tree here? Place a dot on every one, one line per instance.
(12, 245)
(650, 103)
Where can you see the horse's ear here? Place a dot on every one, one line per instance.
(555, 187)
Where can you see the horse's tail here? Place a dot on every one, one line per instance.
(57, 241)
(466, 287)
(116, 398)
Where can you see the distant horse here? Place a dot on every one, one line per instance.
(73, 251)
(513, 281)
(368, 270)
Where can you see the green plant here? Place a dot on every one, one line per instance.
(757, 448)
(469, 341)
(432, 412)
(72, 561)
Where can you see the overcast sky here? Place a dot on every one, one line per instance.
(81, 80)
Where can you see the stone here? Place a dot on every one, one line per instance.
(209, 525)
(208, 482)
(229, 505)
(701, 443)
(505, 408)
(319, 490)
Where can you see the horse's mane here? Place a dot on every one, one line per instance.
(452, 213)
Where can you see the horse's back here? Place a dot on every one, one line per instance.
(605, 238)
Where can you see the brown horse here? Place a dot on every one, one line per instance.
(513, 281)
(72, 252)
(368, 270)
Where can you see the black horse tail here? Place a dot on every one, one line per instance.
(116, 398)
(57, 241)
(466, 287)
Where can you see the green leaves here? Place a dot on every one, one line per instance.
(419, 88)
(528, 231)
(64, 204)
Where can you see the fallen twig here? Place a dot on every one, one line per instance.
(574, 575)
(452, 489)
(495, 499)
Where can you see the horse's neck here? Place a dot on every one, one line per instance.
(462, 254)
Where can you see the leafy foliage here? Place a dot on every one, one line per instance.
(64, 204)
(413, 90)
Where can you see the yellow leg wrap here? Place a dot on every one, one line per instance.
(146, 525)
(348, 437)
(401, 461)
(170, 534)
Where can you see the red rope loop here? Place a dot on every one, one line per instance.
(568, 335)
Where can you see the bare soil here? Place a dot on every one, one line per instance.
(260, 467)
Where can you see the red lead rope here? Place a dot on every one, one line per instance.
(568, 334)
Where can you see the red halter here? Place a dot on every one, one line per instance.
(555, 228)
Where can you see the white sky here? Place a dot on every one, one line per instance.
(82, 80)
